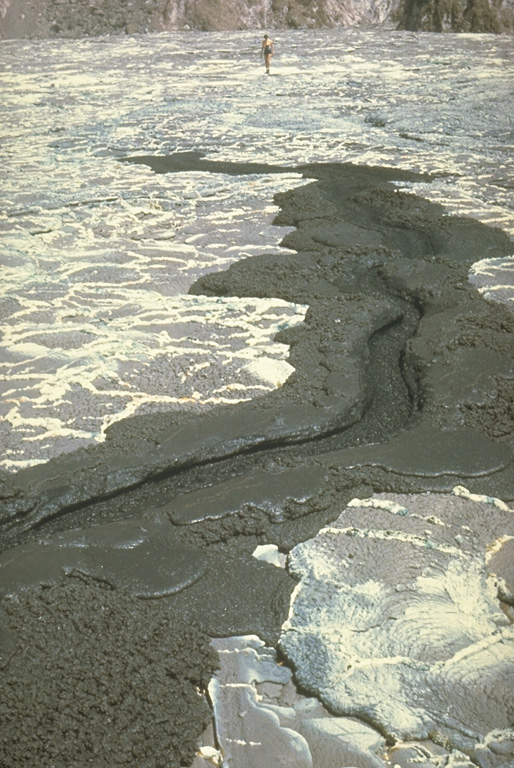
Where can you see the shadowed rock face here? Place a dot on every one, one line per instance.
(402, 383)
(456, 16)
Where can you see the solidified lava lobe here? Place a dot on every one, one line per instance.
(369, 261)
(402, 378)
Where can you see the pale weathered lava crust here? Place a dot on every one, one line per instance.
(402, 383)
(397, 620)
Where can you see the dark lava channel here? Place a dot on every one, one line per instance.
(403, 382)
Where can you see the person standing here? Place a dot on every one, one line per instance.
(267, 49)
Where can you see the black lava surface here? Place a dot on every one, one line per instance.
(403, 382)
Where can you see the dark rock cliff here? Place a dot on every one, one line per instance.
(457, 16)
(84, 18)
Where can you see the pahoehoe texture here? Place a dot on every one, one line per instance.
(403, 382)
(396, 620)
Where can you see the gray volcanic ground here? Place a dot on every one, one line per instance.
(313, 554)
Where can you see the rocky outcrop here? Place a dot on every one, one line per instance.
(457, 15)
(85, 18)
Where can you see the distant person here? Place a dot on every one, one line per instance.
(267, 51)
